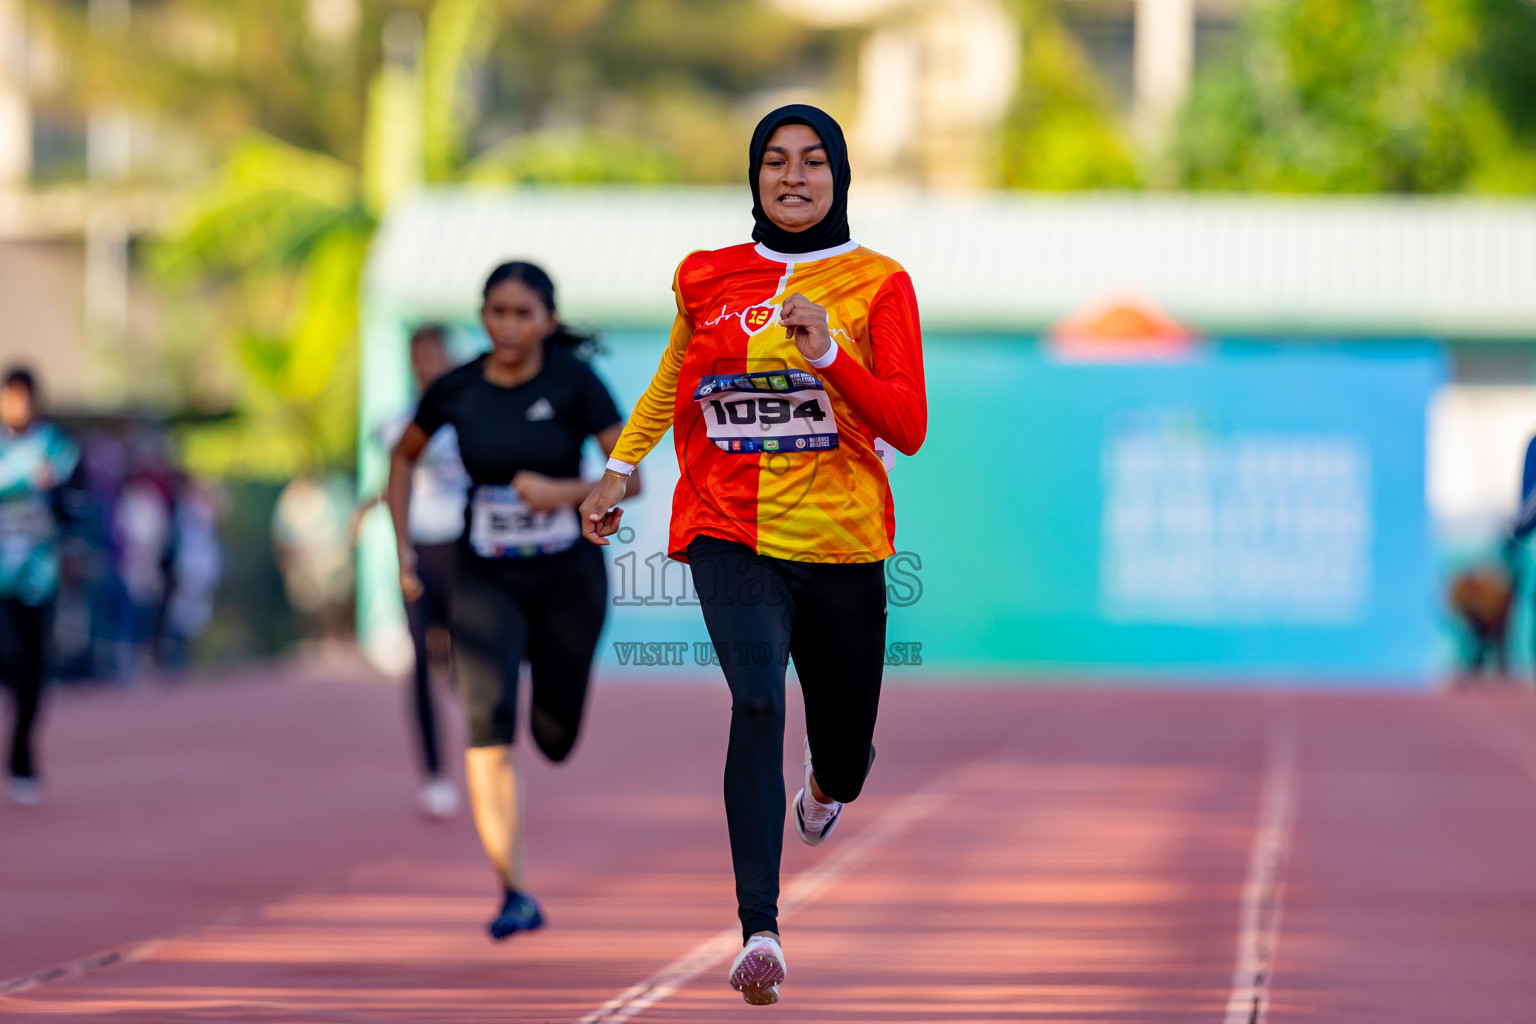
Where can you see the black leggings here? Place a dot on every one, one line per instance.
(830, 619)
(434, 567)
(23, 664)
(546, 610)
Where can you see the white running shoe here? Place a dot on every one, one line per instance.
(758, 969)
(814, 820)
(25, 792)
(440, 798)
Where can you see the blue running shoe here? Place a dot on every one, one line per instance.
(518, 914)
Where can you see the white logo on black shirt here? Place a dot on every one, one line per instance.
(541, 410)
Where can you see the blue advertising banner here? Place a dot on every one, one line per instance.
(1251, 512)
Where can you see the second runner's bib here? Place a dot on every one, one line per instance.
(502, 526)
(777, 411)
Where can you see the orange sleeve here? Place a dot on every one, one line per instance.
(892, 400)
(652, 416)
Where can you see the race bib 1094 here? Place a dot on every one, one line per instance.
(777, 411)
(502, 526)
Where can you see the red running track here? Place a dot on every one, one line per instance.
(246, 850)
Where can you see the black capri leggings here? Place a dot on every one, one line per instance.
(546, 610)
(830, 619)
(434, 567)
(23, 664)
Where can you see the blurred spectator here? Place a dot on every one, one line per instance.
(140, 557)
(1525, 519)
(196, 566)
(312, 538)
(142, 530)
(35, 460)
(1482, 597)
(87, 593)
(439, 486)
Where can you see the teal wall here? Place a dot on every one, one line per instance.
(1254, 513)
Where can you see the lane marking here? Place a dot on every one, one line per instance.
(1259, 928)
(807, 887)
(75, 968)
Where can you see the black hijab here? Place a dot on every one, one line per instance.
(831, 230)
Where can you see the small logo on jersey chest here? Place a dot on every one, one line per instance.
(541, 410)
(756, 318)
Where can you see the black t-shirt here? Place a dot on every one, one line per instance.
(538, 425)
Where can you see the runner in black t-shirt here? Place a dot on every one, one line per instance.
(528, 589)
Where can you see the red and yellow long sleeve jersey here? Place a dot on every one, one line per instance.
(775, 452)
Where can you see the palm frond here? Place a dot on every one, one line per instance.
(459, 35)
(266, 208)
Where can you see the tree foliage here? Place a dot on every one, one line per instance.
(1404, 96)
(211, 71)
(575, 156)
(671, 74)
(1062, 132)
(307, 131)
(459, 35)
(607, 79)
(278, 238)
(302, 120)
(265, 210)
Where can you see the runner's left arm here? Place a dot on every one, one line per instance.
(647, 425)
(892, 400)
(652, 417)
(609, 439)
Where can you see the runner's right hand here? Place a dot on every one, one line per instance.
(599, 516)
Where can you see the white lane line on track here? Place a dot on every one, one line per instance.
(805, 890)
(1259, 927)
(75, 968)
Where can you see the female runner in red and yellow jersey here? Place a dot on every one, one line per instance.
(789, 360)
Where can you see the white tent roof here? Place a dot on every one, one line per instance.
(1459, 268)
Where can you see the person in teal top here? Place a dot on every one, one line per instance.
(36, 458)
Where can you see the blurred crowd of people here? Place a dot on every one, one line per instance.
(140, 556)
(109, 558)
(313, 537)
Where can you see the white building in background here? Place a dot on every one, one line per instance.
(15, 109)
(1164, 63)
(935, 79)
(65, 283)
